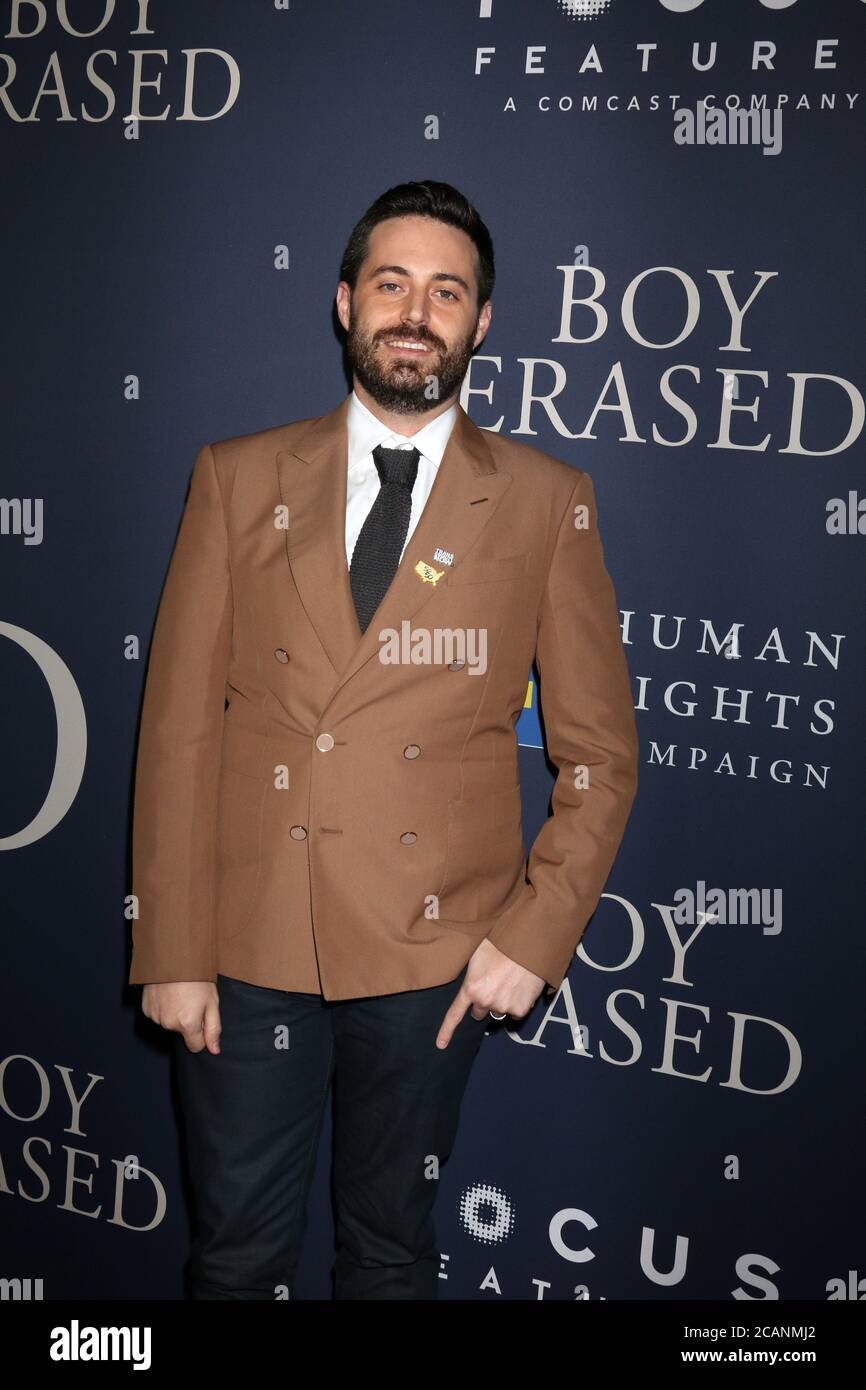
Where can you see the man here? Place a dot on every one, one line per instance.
(327, 848)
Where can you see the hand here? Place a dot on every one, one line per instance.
(190, 1007)
(492, 981)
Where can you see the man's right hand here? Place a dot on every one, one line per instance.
(190, 1007)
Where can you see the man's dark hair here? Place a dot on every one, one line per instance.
(426, 198)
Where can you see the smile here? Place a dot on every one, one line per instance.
(406, 345)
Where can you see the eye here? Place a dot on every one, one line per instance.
(451, 292)
(389, 285)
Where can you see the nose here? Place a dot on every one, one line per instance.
(415, 307)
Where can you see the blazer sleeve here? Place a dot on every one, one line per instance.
(179, 749)
(589, 723)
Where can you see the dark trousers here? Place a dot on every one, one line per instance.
(253, 1114)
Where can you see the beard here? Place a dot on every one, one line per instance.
(400, 384)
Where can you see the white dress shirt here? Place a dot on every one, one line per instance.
(365, 432)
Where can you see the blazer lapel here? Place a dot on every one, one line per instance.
(466, 492)
(312, 481)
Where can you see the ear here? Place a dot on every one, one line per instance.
(344, 303)
(484, 318)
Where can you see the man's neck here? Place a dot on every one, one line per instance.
(402, 424)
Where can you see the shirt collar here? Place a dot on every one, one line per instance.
(366, 431)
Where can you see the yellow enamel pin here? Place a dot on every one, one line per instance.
(427, 572)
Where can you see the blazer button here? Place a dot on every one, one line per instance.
(298, 832)
(281, 654)
(325, 743)
(456, 665)
(411, 750)
(408, 837)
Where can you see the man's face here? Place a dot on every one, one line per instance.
(412, 320)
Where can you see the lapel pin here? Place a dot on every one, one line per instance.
(427, 572)
(443, 557)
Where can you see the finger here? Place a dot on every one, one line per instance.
(212, 1027)
(193, 1037)
(452, 1019)
(478, 1013)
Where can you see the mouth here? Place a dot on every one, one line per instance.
(407, 345)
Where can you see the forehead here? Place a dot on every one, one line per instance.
(423, 245)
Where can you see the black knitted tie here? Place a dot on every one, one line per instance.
(380, 543)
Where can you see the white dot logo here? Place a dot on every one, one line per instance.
(584, 9)
(486, 1213)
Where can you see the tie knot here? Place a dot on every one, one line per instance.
(397, 465)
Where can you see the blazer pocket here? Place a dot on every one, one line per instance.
(246, 752)
(497, 568)
(239, 849)
(484, 857)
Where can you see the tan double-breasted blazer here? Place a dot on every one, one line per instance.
(322, 811)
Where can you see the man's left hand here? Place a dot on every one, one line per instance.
(493, 983)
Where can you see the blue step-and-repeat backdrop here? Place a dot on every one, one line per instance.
(675, 192)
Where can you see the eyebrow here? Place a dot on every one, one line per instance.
(401, 270)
